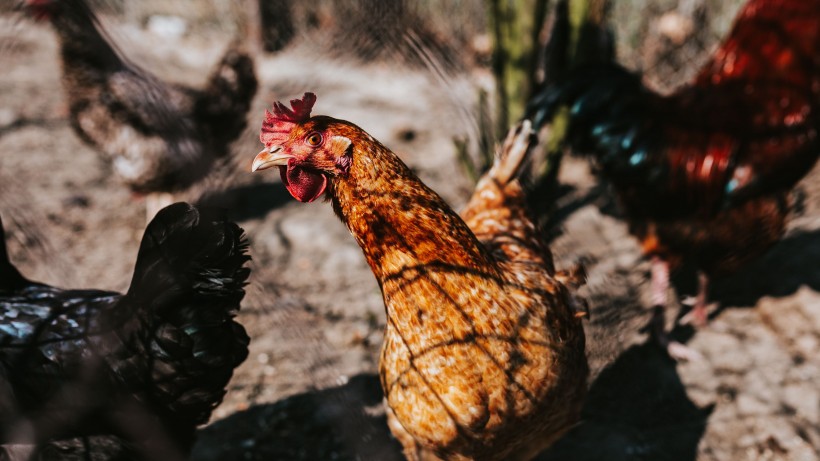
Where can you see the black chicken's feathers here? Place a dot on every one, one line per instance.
(187, 251)
(190, 274)
(10, 277)
(168, 346)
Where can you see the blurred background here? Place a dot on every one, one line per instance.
(421, 77)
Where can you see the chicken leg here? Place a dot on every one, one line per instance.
(699, 315)
(657, 325)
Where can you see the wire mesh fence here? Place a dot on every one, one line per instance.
(330, 406)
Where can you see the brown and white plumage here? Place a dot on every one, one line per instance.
(483, 356)
(159, 137)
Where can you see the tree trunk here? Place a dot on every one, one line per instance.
(516, 26)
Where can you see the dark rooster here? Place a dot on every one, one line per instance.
(160, 137)
(483, 356)
(704, 174)
(148, 365)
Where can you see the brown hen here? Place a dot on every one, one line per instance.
(483, 355)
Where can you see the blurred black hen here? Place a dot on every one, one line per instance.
(149, 365)
(160, 137)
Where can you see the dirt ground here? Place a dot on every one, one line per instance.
(309, 389)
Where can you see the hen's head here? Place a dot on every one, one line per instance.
(308, 150)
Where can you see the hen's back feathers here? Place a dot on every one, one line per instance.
(167, 347)
(497, 212)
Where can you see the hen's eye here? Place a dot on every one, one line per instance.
(314, 139)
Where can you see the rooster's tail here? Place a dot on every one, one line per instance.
(607, 106)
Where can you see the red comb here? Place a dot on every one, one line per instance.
(277, 125)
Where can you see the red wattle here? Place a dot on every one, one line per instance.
(303, 185)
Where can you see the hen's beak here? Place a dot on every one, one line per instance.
(270, 158)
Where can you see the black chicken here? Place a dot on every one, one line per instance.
(148, 365)
(160, 137)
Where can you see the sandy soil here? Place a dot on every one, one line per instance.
(309, 389)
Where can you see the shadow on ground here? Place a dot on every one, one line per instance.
(340, 423)
(637, 409)
(780, 272)
(246, 202)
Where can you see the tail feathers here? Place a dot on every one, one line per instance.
(224, 102)
(511, 156)
(596, 95)
(188, 281)
(10, 277)
(609, 116)
(190, 253)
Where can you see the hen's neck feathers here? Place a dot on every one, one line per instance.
(398, 221)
